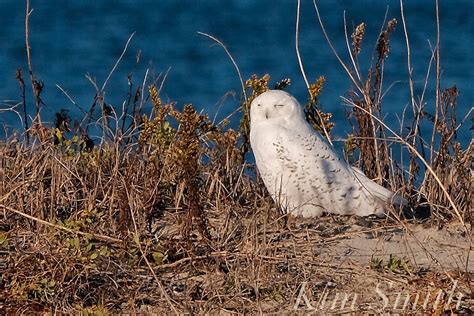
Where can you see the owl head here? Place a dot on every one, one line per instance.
(275, 106)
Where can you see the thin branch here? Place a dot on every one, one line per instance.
(126, 104)
(43, 222)
(390, 86)
(298, 55)
(10, 108)
(425, 85)
(71, 99)
(27, 38)
(19, 77)
(137, 241)
(117, 62)
(438, 83)
(100, 95)
(415, 151)
(164, 79)
(351, 55)
(35, 85)
(410, 68)
(231, 59)
(328, 40)
(142, 93)
(300, 63)
(416, 113)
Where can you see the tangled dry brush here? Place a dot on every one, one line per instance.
(165, 213)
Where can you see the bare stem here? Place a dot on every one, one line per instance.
(326, 134)
(34, 83)
(351, 55)
(71, 99)
(410, 68)
(221, 44)
(328, 40)
(19, 77)
(416, 113)
(43, 222)
(137, 240)
(298, 55)
(438, 84)
(117, 62)
(427, 165)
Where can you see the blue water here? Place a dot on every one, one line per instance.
(70, 39)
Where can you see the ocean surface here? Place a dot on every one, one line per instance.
(72, 39)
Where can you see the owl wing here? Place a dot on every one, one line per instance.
(326, 180)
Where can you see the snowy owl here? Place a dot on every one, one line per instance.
(301, 170)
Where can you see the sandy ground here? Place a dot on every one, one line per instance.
(342, 265)
(425, 247)
(398, 268)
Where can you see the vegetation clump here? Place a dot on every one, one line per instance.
(167, 213)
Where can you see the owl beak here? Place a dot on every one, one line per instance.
(266, 115)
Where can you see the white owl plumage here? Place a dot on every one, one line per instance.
(301, 170)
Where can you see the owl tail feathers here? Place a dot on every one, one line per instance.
(384, 194)
(386, 199)
(378, 191)
(403, 207)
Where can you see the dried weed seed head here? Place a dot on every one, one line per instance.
(383, 43)
(282, 84)
(182, 147)
(62, 120)
(157, 131)
(452, 165)
(315, 89)
(317, 118)
(185, 148)
(357, 38)
(350, 146)
(256, 86)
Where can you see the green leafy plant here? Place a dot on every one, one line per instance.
(393, 264)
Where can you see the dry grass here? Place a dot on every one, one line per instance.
(173, 220)
(166, 214)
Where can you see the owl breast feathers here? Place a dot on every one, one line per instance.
(301, 170)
